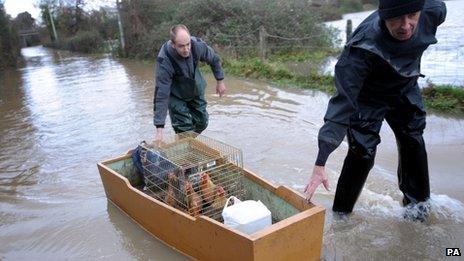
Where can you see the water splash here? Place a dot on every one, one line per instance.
(444, 207)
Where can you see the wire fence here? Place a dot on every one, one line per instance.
(260, 43)
(442, 63)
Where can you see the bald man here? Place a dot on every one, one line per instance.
(180, 87)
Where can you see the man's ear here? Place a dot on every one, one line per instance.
(173, 45)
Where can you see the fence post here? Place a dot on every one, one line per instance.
(349, 29)
(53, 25)
(262, 43)
(23, 38)
(121, 30)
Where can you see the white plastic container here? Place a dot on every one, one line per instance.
(246, 216)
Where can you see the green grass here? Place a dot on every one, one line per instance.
(444, 98)
(277, 73)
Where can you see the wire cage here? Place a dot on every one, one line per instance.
(194, 173)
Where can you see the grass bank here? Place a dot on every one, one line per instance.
(275, 71)
(444, 98)
(438, 98)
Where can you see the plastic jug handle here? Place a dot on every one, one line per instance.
(236, 200)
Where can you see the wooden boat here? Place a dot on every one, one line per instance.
(296, 232)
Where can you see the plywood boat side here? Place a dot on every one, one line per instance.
(297, 237)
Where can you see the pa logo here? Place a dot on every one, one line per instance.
(453, 251)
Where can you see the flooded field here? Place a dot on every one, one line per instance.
(442, 63)
(62, 113)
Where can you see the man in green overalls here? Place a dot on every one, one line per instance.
(180, 87)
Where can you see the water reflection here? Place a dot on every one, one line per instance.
(136, 241)
(17, 144)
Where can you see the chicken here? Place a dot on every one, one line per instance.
(207, 188)
(170, 197)
(219, 198)
(194, 202)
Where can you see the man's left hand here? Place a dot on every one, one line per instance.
(220, 88)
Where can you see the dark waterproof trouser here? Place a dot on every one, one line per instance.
(187, 104)
(407, 120)
(188, 115)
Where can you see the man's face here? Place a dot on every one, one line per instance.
(182, 43)
(402, 27)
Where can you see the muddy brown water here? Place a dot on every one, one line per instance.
(62, 113)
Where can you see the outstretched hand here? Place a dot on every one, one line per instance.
(319, 176)
(220, 88)
(158, 135)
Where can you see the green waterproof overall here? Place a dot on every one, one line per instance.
(187, 103)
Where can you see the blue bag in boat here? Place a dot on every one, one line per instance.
(152, 166)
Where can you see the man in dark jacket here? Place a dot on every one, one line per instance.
(376, 79)
(180, 87)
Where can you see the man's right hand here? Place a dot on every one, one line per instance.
(319, 176)
(220, 88)
(159, 135)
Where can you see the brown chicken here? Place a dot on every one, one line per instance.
(219, 198)
(207, 188)
(194, 202)
(170, 197)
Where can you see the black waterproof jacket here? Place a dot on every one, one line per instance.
(166, 71)
(375, 67)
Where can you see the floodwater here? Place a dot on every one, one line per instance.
(442, 63)
(62, 113)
